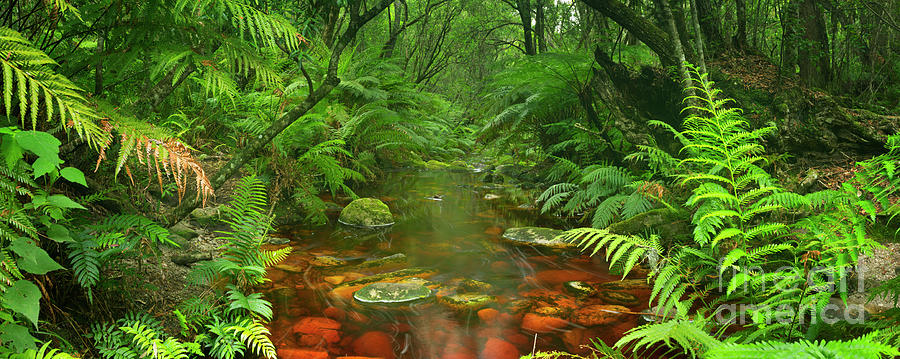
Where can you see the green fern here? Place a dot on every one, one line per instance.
(865, 347)
(28, 75)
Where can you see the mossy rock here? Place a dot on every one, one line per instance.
(620, 298)
(183, 230)
(436, 165)
(391, 261)
(670, 225)
(626, 284)
(394, 276)
(474, 286)
(459, 166)
(326, 261)
(467, 301)
(384, 294)
(206, 216)
(366, 212)
(578, 289)
(536, 236)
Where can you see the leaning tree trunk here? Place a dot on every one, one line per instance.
(331, 81)
(650, 34)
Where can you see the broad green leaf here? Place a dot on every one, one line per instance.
(59, 234)
(73, 174)
(45, 165)
(17, 337)
(32, 258)
(10, 150)
(62, 201)
(24, 298)
(40, 143)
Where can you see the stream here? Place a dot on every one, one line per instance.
(448, 232)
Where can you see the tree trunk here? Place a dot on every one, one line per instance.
(790, 18)
(686, 82)
(163, 88)
(98, 68)
(815, 69)
(710, 23)
(740, 38)
(541, 27)
(698, 37)
(679, 15)
(651, 35)
(331, 80)
(524, 8)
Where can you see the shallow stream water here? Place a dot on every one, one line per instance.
(459, 237)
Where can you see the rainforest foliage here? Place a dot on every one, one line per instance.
(765, 133)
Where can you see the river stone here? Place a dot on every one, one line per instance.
(474, 286)
(467, 301)
(578, 289)
(536, 236)
(326, 261)
(278, 241)
(626, 284)
(620, 298)
(366, 212)
(594, 315)
(391, 261)
(394, 276)
(392, 294)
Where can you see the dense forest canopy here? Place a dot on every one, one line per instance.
(733, 162)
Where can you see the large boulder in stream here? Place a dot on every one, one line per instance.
(536, 236)
(366, 212)
(383, 294)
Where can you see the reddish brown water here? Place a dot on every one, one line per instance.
(459, 237)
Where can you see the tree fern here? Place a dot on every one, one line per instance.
(29, 80)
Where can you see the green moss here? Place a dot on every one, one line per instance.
(436, 165)
(394, 276)
(467, 301)
(578, 289)
(366, 212)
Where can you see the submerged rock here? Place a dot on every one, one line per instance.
(578, 289)
(536, 236)
(620, 298)
(366, 212)
(536, 323)
(626, 284)
(384, 294)
(391, 261)
(474, 286)
(467, 301)
(326, 261)
(594, 315)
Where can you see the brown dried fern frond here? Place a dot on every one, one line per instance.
(164, 156)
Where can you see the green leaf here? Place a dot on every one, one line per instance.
(17, 337)
(45, 165)
(24, 298)
(62, 201)
(10, 150)
(40, 143)
(59, 234)
(32, 258)
(73, 174)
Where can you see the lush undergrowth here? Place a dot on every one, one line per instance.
(119, 118)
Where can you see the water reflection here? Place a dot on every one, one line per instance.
(449, 234)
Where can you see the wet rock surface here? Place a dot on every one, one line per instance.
(392, 294)
(536, 236)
